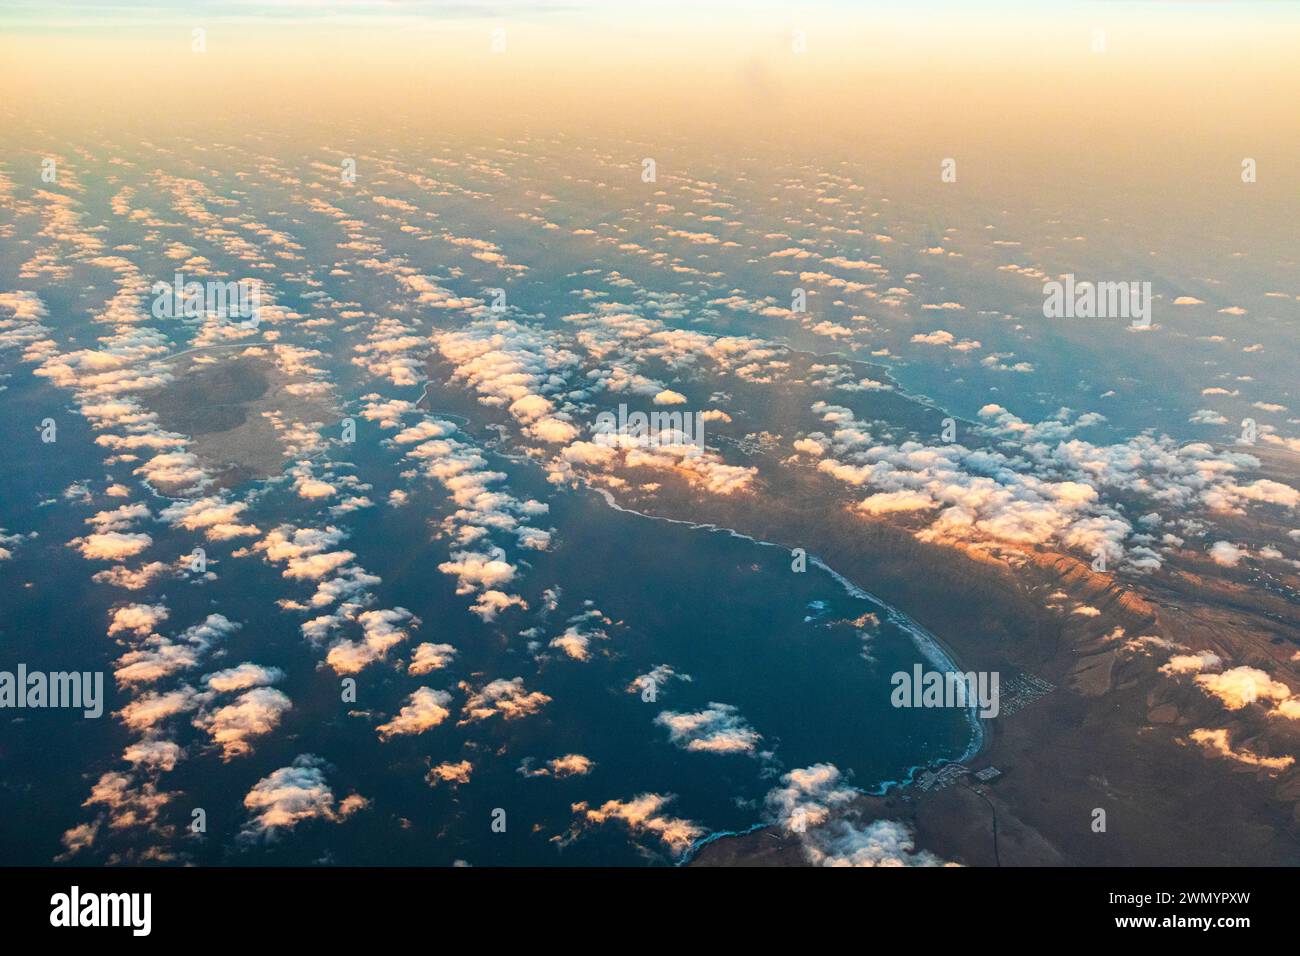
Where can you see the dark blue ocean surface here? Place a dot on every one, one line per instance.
(791, 652)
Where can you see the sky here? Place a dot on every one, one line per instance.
(795, 145)
(881, 70)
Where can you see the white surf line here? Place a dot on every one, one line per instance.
(689, 853)
(926, 642)
(199, 348)
(430, 411)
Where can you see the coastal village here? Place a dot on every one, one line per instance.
(1019, 691)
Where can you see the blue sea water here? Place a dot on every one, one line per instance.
(721, 608)
(777, 646)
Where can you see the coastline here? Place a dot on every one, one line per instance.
(939, 654)
(1111, 732)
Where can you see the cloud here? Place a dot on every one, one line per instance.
(893, 502)
(253, 713)
(381, 630)
(290, 796)
(1191, 663)
(482, 512)
(127, 802)
(506, 698)
(130, 579)
(477, 570)
(570, 765)
(309, 487)
(176, 473)
(1047, 488)
(139, 619)
(577, 637)
(806, 803)
(242, 677)
(574, 644)
(1216, 743)
(807, 795)
(656, 678)
(111, 545)
(303, 551)
(844, 842)
(7, 541)
(643, 815)
(1242, 686)
(453, 773)
(155, 656)
(1226, 554)
(430, 657)
(718, 728)
(156, 755)
(217, 518)
(121, 518)
(524, 370)
(938, 337)
(148, 710)
(510, 365)
(425, 709)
